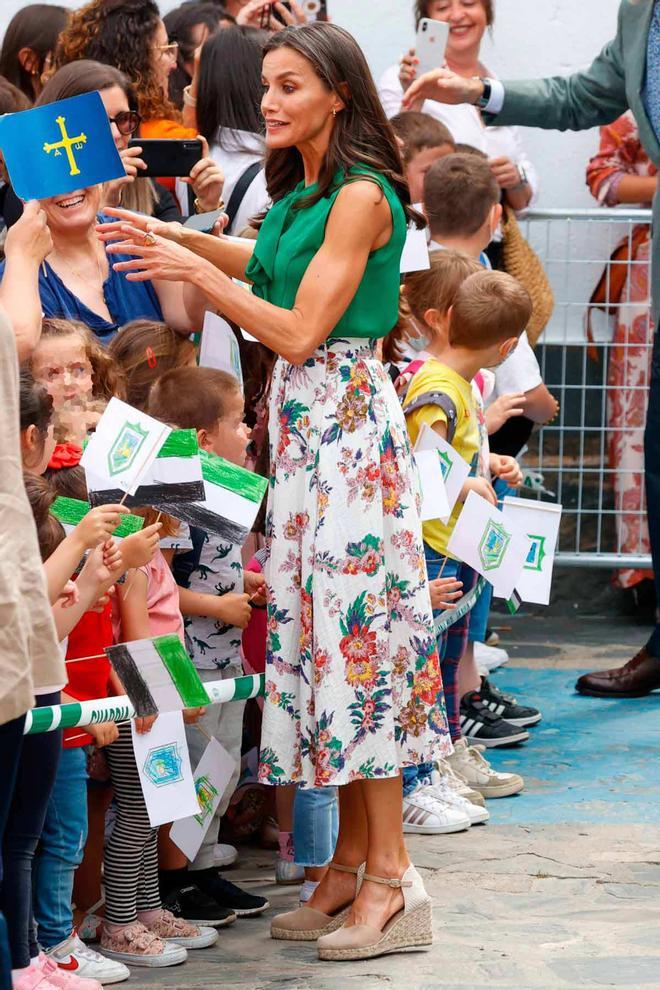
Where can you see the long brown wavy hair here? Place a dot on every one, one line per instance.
(119, 33)
(362, 134)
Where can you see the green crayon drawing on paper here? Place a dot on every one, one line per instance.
(446, 464)
(537, 553)
(126, 448)
(206, 793)
(163, 765)
(493, 545)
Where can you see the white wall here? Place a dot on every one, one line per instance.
(531, 38)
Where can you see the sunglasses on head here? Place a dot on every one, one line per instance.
(127, 121)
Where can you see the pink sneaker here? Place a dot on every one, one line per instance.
(62, 978)
(182, 932)
(32, 978)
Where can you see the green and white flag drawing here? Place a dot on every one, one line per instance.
(158, 675)
(493, 546)
(71, 511)
(174, 476)
(233, 498)
(123, 446)
(540, 522)
(455, 469)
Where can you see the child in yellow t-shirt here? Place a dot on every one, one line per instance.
(478, 329)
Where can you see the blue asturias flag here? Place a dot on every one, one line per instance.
(54, 149)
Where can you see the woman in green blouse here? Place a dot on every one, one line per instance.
(353, 688)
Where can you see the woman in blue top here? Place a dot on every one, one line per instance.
(353, 686)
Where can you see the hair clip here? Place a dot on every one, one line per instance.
(152, 361)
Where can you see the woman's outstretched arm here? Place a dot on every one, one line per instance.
(359, 223)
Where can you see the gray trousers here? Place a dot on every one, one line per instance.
(224, 723)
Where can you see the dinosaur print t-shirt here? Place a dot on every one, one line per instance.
(206, 564)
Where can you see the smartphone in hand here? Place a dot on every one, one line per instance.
(169, 157)
(431, 44)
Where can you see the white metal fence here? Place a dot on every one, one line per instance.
(591, 456)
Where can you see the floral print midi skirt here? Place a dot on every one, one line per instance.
(353, 685)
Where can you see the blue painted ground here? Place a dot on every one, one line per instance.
(589, 760)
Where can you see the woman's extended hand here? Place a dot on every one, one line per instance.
(207, 179)
(158, 259)
(29, 238)
(444, 86)
(127, 222)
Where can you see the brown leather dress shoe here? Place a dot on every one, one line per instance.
(635, 679)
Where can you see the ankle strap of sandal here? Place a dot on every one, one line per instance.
(344, 869)
(388, 881)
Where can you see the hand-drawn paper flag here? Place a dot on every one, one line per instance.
(71, 511)
(219, 347)
(158, 675)
(123, 447)
(455, 469)
(493, 546)
(212, 776)
(434, 494)
(175, 476)
(540, 522)
(233, 497)
(58, 148)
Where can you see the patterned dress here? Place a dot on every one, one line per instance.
(353, 685)
(629, 371)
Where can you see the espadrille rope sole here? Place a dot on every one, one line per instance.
(313, 934)
(411, 932)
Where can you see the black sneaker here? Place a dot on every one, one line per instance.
(193, 905)
(480, 725)
(228, 895)
(506, 707)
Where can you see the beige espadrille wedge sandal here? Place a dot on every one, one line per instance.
(306, 924)
(408, 930)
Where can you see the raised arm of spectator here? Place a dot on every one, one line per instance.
(591, 98)
(27, 244)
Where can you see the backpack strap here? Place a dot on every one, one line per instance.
(440, 399)
(240, 189)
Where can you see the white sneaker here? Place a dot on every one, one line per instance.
(469, 763)
(224, 854)
(489, 658)
(288, 873)
(423, 814)
(459, 784)
(441, 790)
(75, 957)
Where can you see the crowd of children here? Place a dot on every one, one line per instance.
(90, 889)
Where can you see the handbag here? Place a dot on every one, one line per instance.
(522, 261)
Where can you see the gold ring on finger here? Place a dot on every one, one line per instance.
(149, 239)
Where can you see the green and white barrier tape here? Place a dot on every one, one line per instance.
(119, 709)
(466, 603)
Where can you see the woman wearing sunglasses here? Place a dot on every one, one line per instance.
(75, 281)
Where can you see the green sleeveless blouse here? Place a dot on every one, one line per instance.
(289, 239)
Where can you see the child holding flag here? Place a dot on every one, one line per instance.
(478, 329)
(215, 596)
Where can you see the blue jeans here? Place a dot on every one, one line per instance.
(434, 564)
(315, 825)
(61, 849)
(35, 776)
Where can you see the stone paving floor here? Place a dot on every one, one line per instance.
(570, 901)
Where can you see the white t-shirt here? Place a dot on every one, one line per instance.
(465, 125)
(238, 151)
